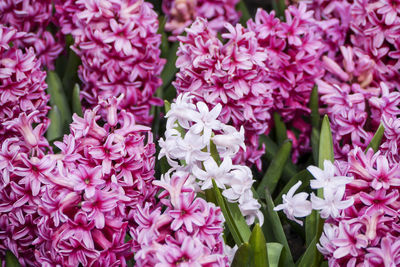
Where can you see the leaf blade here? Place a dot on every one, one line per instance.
(376, 139)
(274, 171)
(259, 246)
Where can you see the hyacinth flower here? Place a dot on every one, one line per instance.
(183, 230)
(22, 83)
(349, 91)
(268, 66)
(99, 182)
(118, 44)
(32, 17)
(360, 206)
(181, 13)
(361, 235)
(191, 131)
(361, 46)
(24, 164)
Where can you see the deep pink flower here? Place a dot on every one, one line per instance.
(119, 47)
(181, 13)
(32, 17)
(188, 212)
(349, 241)
(187, 232)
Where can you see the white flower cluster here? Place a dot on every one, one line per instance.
(297, 205)
(192, 131)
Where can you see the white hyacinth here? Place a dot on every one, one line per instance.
(191, 130)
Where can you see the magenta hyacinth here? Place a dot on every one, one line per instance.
(101, 179)
(360, 88)
(367, 232)
(269, 66)
(118, 44)
(184, 230)
(33, 17)
(23, 163)
(181, 13)
(22, 84)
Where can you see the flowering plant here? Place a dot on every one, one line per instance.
(205, 133)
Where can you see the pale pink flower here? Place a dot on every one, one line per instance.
(295, 205)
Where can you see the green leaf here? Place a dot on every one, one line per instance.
(169, 70)
(325, 143)
(275, 169)
(259, 247)
(304, 176)
(234, 219)
(210, 196)
(307, 260)
(164, 38)
(280, 129)
(70, 77)
(242, 256)
(279, 7)
(214, 153)
(274, 253)
(273, 225)
(315, 133)
(11, 260)
(311, 226)
(55, 129)
(76, 101)
(315, 122)
(58, 98)
(376, 140)
(314, 107)
(241, 6)
(271, 149)
(167, 106)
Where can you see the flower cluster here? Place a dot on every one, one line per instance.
(182, 13)
(269, 66)
(194, 141)
(94, 189)
(23, 162)
(119, 47)
(32, 17)
(184, 230)
(293, 61)
(332, 187)
(361, 41)
(367, 232)
(22, 84)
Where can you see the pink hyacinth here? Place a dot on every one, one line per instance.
(102, 178)
(119, 47)
(23, 164)
(365, 233)
(269, 66)
(183, 230)
(32, 17)
(350, 89)
(22, 83)
(362, 63)
(181, 13)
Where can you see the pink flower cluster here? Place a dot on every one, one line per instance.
(366, 233)
(94, 189)
(32, 17)
(361, 40)
(182, 13)
(119, 46)
(184, 230)
(269, 66)
(23, 162)
(22, 84)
